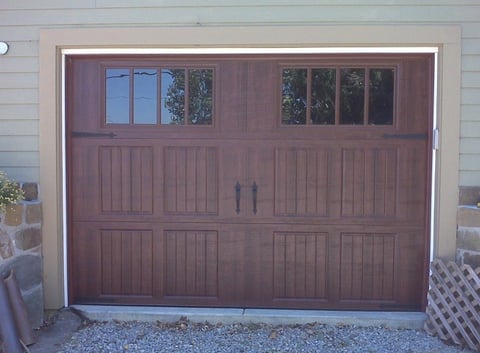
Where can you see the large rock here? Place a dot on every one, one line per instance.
(28, 238)
(28, 271)
(6, 246)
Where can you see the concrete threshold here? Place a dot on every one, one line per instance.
(404, 320)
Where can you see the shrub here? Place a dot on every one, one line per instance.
(10, 192)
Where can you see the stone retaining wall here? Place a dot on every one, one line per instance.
(468, 235)
(21, 249)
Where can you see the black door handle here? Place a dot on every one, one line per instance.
(254, 196)
(238, 188)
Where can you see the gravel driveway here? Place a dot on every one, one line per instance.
(187, 337)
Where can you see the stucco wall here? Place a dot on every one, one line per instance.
(21, 20)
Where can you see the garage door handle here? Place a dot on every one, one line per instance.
(238, 188)
(254, 196)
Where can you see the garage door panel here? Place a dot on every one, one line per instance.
(191, 180)
(300, 265)
(113, 262)
(302, 182)
(369, 182)
(126, 262)
(191, 263)
(126, 179)
(367, 266)
(112, 179)
(381, 267)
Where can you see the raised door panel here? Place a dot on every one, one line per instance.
(380, 270)
(191, 263)
(302, 183)
(112, 179)
(301, 265)
(126, 179)
(369, 182)
(116, 263)
(191, 180)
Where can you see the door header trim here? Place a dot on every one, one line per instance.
(252, 50)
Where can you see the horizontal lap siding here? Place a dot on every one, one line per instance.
(20, 21)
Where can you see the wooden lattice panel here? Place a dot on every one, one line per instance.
(453, 312)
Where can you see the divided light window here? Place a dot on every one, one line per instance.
(159, 96)
(338, 96)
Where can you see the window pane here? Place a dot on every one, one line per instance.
(173, 96)
(117, 87)
(294, 96)
(145, 96)
(323, 96)
(380, 105)
(200, 84)
(352, 93)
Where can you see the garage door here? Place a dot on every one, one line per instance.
(287, 181)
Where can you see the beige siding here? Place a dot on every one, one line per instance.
(20, 21)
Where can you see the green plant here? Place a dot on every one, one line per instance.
(10, 192)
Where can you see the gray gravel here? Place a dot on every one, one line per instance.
(187, 337)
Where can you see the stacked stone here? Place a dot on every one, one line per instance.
(468, 236)
(20, 249)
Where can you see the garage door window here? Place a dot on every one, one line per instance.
(159, 96)
(338, 96)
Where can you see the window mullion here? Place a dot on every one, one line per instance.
(309, 97)
(366, 96)
(337, 95)
(159, 96)
(186, 106)
(131, 97)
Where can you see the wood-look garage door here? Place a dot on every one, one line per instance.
(249, 181)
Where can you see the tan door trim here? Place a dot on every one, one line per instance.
(53, 41)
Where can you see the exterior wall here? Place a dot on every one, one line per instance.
(21, 247)
(30, 135)
(20, 21)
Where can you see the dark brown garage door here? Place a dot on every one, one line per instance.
(249, 181)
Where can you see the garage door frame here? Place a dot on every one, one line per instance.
(55, 43)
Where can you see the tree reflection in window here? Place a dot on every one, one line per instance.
(381, 97)
(337, 95)
(294, 96)
(198, 90)
(173, 96)
(200, 86)
(138, 101)
(323, 96)
(352, 83)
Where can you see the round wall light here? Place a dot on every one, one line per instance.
(3, 48)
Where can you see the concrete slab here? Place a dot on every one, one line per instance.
(407, 320)
(164, 314)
